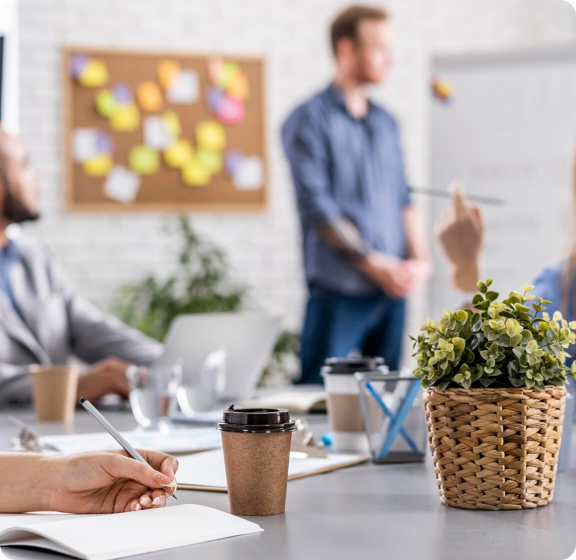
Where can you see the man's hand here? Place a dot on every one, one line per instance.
(460, 231)
(110, 482)
(391, 274)
(107, 376)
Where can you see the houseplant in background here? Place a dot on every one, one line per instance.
(494, 399)
(199, 283)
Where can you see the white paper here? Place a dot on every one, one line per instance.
(250, 174)
(126, 534)
(176, 441)
(156, 133)
(207, 469)
(122, 184)
(84, 144)
(185, 89)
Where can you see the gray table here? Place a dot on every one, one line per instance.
(368, 511)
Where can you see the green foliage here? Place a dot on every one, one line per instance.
(509, 343)
(199, 284)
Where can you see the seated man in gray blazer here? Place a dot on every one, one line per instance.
(42, 318)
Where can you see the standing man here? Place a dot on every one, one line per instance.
(42, 318)
(365, 246)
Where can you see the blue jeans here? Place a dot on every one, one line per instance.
(336, 324)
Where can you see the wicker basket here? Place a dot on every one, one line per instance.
(495, 448)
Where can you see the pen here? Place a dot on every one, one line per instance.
(446, 194)
(91, 409)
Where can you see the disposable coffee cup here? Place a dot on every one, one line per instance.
(256, 443)
(54, 391)
(343, 400)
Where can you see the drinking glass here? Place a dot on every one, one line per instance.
(153, 394)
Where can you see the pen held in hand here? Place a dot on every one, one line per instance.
(124, 443)
(447, 194)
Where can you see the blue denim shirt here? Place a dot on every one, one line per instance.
(350, 167)
(9, 255)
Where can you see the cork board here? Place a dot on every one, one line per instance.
(164, 189)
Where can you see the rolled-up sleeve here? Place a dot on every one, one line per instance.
(307, 153)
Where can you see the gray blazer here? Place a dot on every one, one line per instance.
(58, 323)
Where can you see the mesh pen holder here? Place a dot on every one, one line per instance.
(393, 416)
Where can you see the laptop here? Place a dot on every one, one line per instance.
(247, 338)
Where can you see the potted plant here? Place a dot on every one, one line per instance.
(494, 380)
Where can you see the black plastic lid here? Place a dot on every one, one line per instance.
(256, 420)
(349, 366)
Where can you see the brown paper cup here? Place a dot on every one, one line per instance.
(54, 390)
(256, 471)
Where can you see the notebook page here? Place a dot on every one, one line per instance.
(138, 532)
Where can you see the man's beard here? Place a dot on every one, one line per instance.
(15, 211)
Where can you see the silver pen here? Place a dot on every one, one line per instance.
(91, 409)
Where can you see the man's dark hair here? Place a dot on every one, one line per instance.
(347, 22)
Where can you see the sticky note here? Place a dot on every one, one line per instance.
(106, 103)
(94, 74)
(98, 166)
(122, 94)
(88, 143)
(229, 69)
(78, 63)
(185, 88)
(149, 96)
(168, 71)
(172, 121)
(215, 98)
(214, 68)
(232, 161)
(144, 160)
(209, 159)
(230, 110)
(122, 184)
(125, 118)
(211, 135)
(238, 86)
(179, 154)
(250, 174)
(195, 174)
(156, 133)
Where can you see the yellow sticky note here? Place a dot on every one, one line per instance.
(211, 135)
(98, 166)
(195, 174)
(179, 154)
(144, 160)
(95, 74)
(125, 118)
(172, 122)
(238, 86)
(168, 71)
(212, 161)
(149, 96)
(226, 73)
(106, 103)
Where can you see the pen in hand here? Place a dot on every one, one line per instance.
(91, 409)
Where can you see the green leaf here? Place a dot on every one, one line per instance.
(476, 322)
(477, 299)
(482, 287)
(492, 296)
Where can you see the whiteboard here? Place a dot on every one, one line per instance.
(508, 132)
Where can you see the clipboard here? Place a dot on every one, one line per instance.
(207, 468)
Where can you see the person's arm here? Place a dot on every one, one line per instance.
(460, 231)
(100, 482)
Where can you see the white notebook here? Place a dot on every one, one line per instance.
(206, 470)
(106, 537)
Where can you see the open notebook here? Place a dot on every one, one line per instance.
(206, 470)
(106, 537)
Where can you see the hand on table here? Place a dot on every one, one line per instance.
(460, 231)
(111, 482)
(107, 376)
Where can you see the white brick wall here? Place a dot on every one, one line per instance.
(103, 251)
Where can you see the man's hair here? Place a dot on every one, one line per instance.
(346, 24)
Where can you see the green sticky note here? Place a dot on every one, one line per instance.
(209, 159)
(106, 105)
(144, 160)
